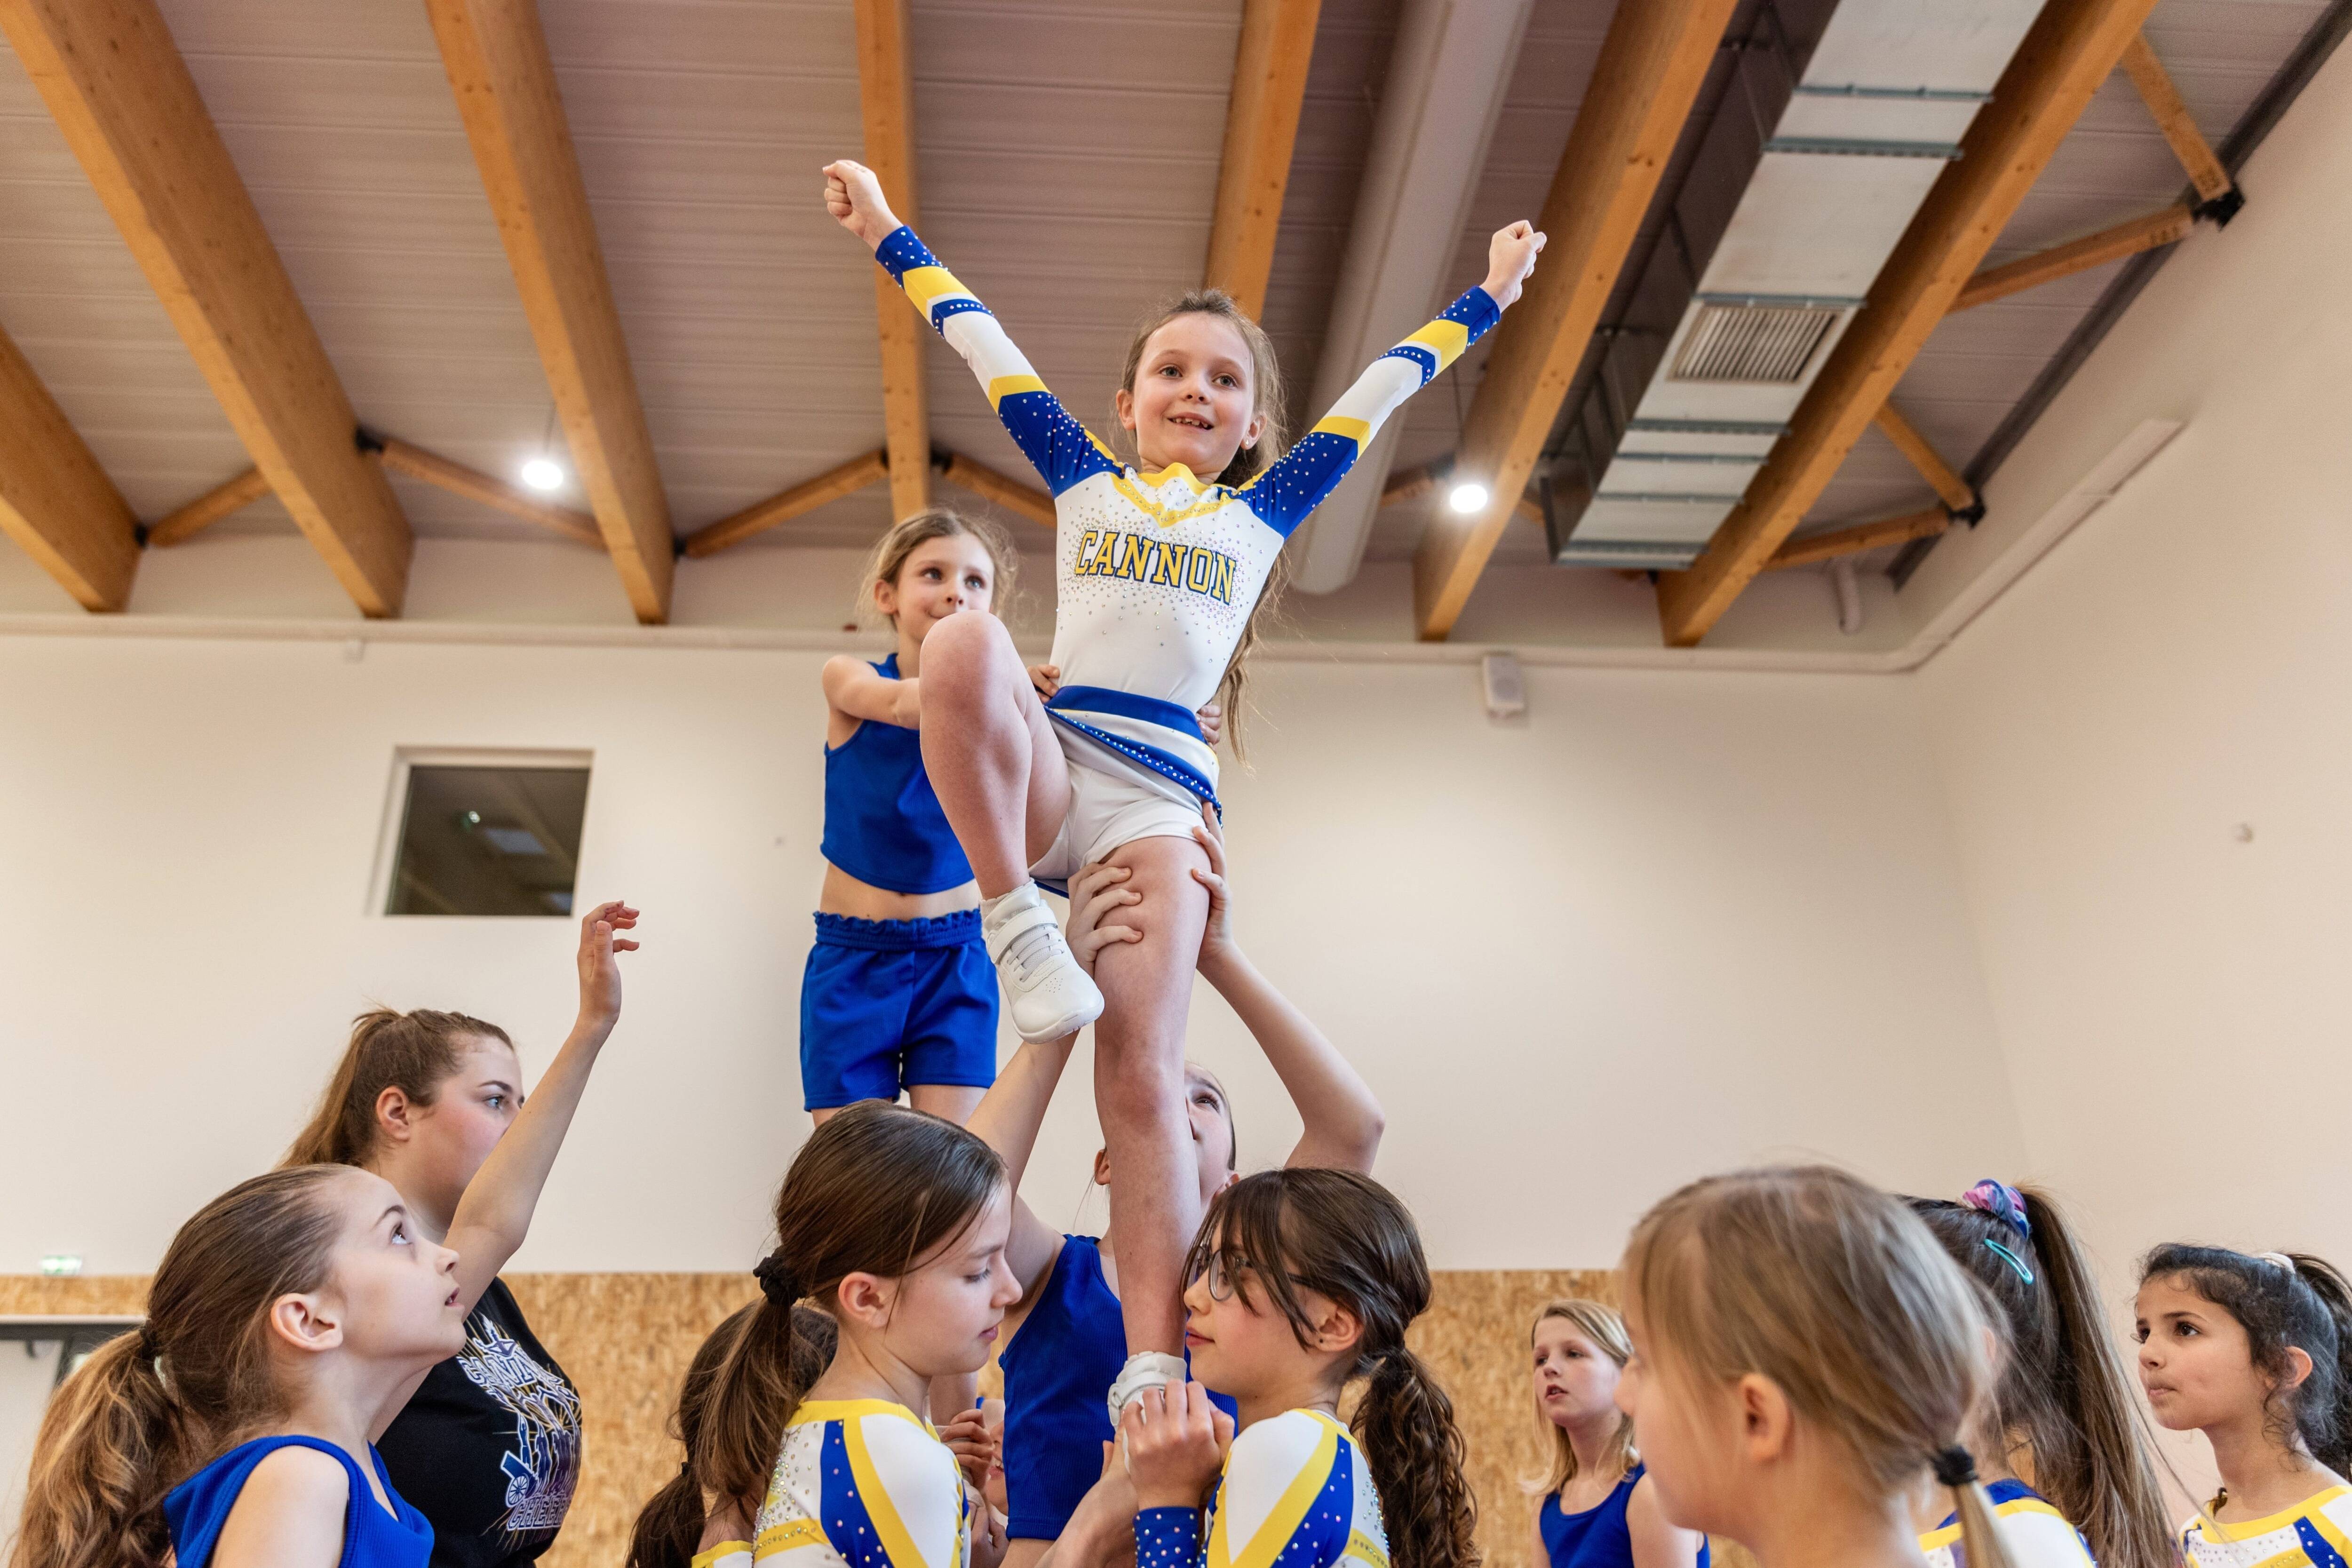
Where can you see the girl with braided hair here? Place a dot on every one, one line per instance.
(1303, 1280)
(2255, 1352)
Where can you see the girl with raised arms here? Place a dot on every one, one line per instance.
(487, 1444)
(1597, 1509)
(2062, 1412)
(2255, 1352)
(1064, 1340)
(1159, 572)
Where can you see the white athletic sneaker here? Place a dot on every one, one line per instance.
(1048, 994)
(1145, 1369)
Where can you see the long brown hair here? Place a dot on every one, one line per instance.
(413, 1052)
(919, 528)
(873, 1191)
(1268, 400)
(1599, 1322)
(2282, 1300)
(2063, 1390)
(1835, 1292)
(151, 1408)
(669, 1531)
(1346, 1237)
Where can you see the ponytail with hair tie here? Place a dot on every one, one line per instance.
(777, 1282)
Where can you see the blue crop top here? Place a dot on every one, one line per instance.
(883, 824)
(196, 1510)
(1069, 1348)
(1599, 1537)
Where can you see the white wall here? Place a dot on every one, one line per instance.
(2170, 996)
(1671, 921)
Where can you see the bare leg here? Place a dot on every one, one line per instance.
(1155, 1187)
(955, 1101)
(990, 750)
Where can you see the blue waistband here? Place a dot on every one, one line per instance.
(1128, 705)
(898, 936)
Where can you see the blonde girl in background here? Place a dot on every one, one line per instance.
(1598, 1510)
(232, 1429)
(2255, 1352)
(1158, 572)
(891, 1222)
(2062, 1411)
(1807, 1363)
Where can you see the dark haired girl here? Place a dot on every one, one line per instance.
(2252, 1350)
(1303, 1281)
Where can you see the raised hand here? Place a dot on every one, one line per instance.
(1510, 256)
(1217, 936)
(1175, 1441)
(854, 196)
(599, 970)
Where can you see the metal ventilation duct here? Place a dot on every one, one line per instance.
(1838, 118)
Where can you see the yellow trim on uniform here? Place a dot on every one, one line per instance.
(1004, 386)
(1288, 1512)
(811, 1410)
(721, 1552)
(1357, 430)
(2216, 1531)
(1946, 1534)
(788, 1536)
(896, 1543)
(1364, 1549)
(2325, 1528)
(928, 285)
(1160, 512)
(1442, 338)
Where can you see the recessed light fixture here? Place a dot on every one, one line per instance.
(544, 474)
(1467, 496)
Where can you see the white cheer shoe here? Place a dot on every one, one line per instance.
(1048, 994)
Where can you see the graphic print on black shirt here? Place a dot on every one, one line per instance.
(488, 1448)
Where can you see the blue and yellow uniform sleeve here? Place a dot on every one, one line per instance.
(1286, 492)
(865, 1484)
(1289, 1499)
(1062, 450)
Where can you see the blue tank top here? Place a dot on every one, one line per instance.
(1057, 1370)
(1596, 1538)
(882, 823)
(198, 1507)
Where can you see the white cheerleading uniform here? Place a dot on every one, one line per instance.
(1157, 573)
(860, 1483)
(1295, 1493)
(2035, 1534)
(2316, 1531)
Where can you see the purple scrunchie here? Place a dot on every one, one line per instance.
(2002, 1202)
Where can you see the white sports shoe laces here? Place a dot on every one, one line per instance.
(1048, 994)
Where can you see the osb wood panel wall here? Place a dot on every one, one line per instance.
(625, 1340)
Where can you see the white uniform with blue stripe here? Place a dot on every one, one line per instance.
(860, 1483)
(2316, 1531)
(1295, 1493)
(1157, 573)
(2035, 1534)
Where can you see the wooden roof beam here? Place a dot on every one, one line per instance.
(1278, 44)
(1829, 546)
(1650, 69)
(54, 500)
(121, 94)
(476, 486)
(1954, 492)
(2179, 126)
(496, 55)
(2072, 45)
(2127, 239)
(832, 484)
(886, 96)
(1006, 492)
(187, 521)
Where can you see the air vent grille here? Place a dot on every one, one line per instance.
(1769, 344)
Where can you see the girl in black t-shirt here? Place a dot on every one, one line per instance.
(487, 1444)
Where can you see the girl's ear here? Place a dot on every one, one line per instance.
(1124, 400)
(395, 1116)
(1340, 1330)
(2298, 1367)
(1766, 1421)
(309, 1322)
(885, 599)
(1252, 430)
(866, 1299)
(1102, 1167)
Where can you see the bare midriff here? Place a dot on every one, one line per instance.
(845, 895)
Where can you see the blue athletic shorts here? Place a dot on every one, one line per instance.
(887, 1004)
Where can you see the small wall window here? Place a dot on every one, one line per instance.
(485, 833)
